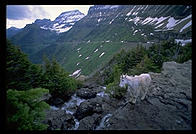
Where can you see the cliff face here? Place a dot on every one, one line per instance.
(168, 104)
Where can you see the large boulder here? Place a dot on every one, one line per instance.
(68, 123)
(89, 122)
(167, 106)
(86, 93)
(99, 105)
(59, 119)
(55, 101)
(88, 108)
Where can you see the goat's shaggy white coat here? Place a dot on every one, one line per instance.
(137, 85)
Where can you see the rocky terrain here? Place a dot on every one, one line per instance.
(167, 106)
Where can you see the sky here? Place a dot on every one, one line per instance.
(20, 15)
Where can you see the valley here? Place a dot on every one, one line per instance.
(114, 28)
(64, 74)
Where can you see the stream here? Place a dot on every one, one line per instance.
(71, 106)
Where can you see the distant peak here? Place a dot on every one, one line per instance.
(72, 12)
(14, 28)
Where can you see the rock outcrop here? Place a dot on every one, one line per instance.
(168, 105)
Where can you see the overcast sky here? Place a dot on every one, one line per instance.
(20, 15)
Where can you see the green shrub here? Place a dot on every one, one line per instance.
(25, 109)
(115, 90)
(185, 53)
(59, 83)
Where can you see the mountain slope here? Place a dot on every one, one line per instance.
(94, 38)
(12, 31)
(62, 23)
(114, 27)
(32, 38)
(42, 33)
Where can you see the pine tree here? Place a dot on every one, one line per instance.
(25, 109)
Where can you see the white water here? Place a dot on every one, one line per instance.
(74, 101)
(70, 107)
(103, 121)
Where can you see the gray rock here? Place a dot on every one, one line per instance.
(89, 122)
(168, 105)
(58, 119)
(68, 122)
(89, 107)
(86, 93)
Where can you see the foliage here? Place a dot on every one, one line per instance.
(185, 53)
(57, 80)
(146, 65)
(25, 109)
(141, 60)
(115, 75)
(20, 73)
(115, 91)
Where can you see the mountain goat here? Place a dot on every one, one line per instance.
(137, 85)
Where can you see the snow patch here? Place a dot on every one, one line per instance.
(99, 20)
(160, 20)
(147, 20)
(159, 25)
(186, 26)
(135, 32)
(96, 50)
(188, 17)
(87, 58)
(76, 72)
(63, 29)
(101, 54)
(129, 13)
(171, 23)
(135, 20)
(183, 42)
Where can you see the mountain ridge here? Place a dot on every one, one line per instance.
(108, 28)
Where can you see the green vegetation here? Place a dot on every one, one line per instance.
(20, 73)
(57, 80)
(26, 83)
(25, 109)
(141, 60)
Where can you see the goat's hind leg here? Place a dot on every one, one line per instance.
(144, 90)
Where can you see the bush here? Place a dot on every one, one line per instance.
(185, 53)
(115, 91)
(25, 109)
(59, 83)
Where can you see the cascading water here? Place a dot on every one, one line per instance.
(71, 106)
(103, 122)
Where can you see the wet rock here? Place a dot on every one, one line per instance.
(89, 122)
(89, 107)
(68, 122)
(58, 119)
(86, 93)
(56, 102)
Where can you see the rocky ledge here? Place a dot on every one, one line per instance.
(167, 106)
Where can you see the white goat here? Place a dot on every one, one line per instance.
(137, 85)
